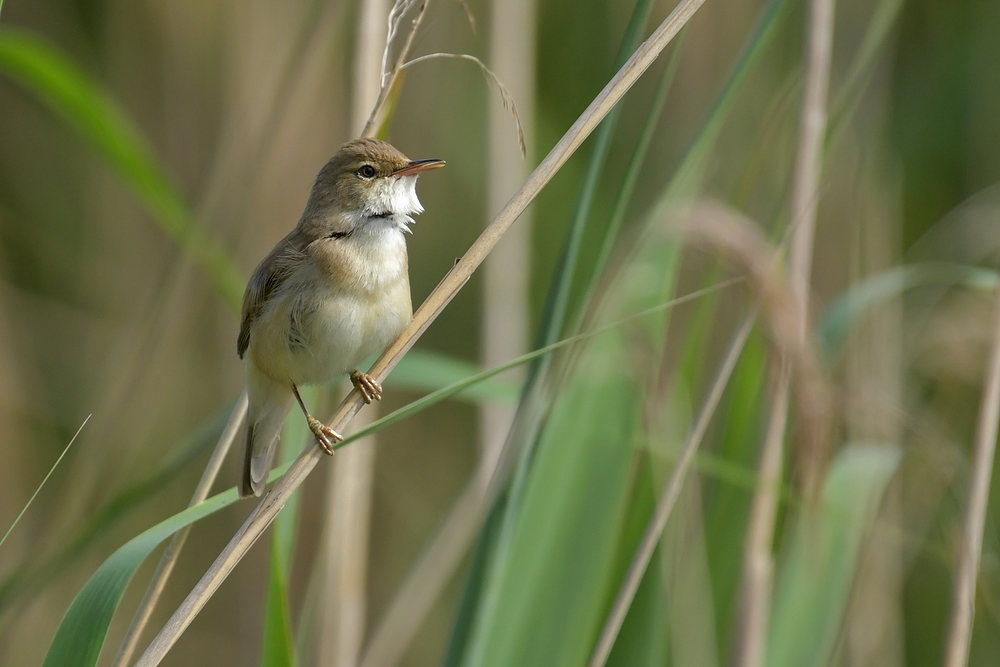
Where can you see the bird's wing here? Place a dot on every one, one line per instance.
(265, 281)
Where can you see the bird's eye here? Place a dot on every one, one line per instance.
(367, 171)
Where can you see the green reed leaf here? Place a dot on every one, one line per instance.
(558, 299)
(815, 579)
(90, 110)
(31, 577)
(81, 633)
(84, 627)
(278, 648)
(423, 370)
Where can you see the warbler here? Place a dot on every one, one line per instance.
(333, 292)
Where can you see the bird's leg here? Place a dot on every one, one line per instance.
(325, 436)
(366, 384)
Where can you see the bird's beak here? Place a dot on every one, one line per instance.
(418, 167)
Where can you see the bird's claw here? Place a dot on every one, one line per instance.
(325, 436)
(369, 388)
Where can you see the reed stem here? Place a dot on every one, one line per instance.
(272, 503)
(173, 551)
(758, 567)
(963, 598)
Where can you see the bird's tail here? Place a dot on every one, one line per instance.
(269, 403)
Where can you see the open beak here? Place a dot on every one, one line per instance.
(418, 167)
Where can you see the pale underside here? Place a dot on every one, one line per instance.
(348, 299)
(311, 330)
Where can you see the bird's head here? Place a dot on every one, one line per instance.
(368, 185)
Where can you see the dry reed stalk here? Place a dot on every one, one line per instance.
(340, 622)
(428, 577)
(212, 204)
(668, 498)
(389, 80)
(439, 560)
(506, 274)
(272, 503)
(963, 598)
(758, 567)
(398, 10)
(367, 64)
(805, 185)
(874, 386)
(504, 336)
(173, 551)
(736, 239)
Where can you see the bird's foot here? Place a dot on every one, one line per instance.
(325, 436)
(369, 388)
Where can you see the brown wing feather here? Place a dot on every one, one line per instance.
(265, 281)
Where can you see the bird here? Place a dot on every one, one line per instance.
(333, 292)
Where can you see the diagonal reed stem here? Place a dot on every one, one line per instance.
(504, 328)
(435, 567)
(750, 645)
(505, 311)
(343, 564)
(668, 498)
(272, 503)
(173, 551)
(963, 597)
(306, 40)
(45, 479)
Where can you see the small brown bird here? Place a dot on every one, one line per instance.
(333, 292)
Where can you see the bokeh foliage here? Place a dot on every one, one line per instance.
(151, 153)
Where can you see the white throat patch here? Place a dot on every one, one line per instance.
(393, 201)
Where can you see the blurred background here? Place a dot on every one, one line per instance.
(102, 313)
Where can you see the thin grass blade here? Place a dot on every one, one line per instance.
(279, 644)
(30, 578)
(634, 168)
(85, 624)
(423, 370)
(642, 639)
(690, 174)
(44, 479)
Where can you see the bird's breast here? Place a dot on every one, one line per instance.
(365, 263)
(342, 307)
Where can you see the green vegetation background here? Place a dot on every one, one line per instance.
(103, 313)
